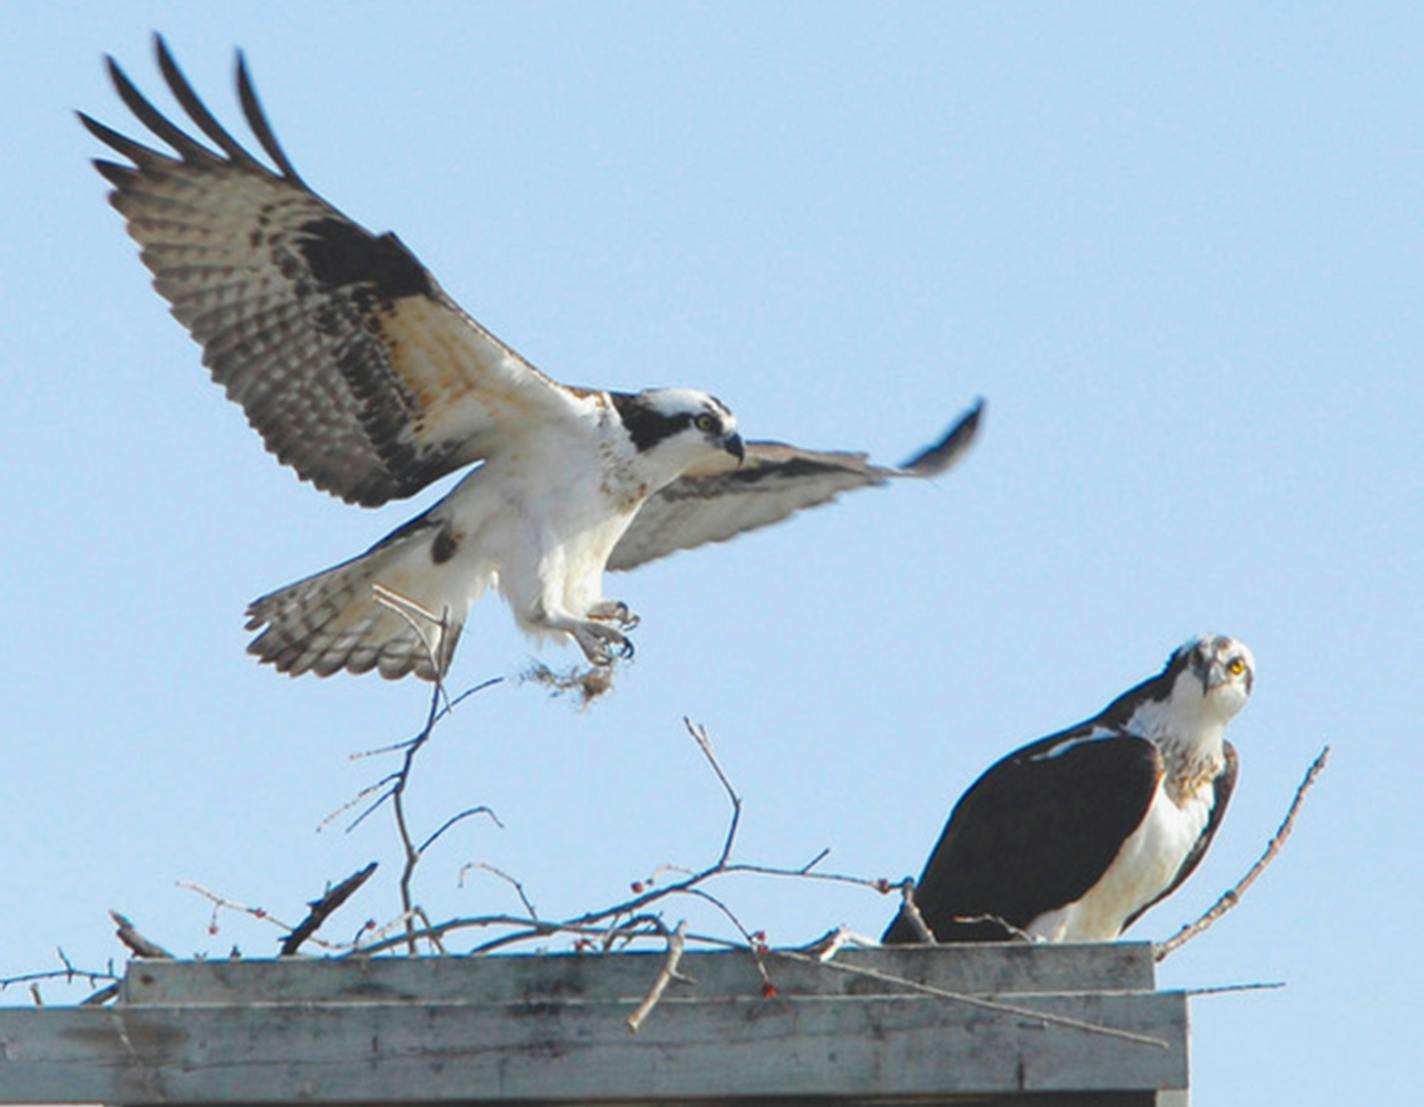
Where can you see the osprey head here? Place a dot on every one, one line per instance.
(681, 425)
(1216, 670)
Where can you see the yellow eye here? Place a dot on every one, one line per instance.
(705, 423)
(1236, 666)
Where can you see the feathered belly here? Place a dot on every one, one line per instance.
(550, 553)
(1143, 869)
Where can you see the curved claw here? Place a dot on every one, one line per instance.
(614, 611)
(599, 640)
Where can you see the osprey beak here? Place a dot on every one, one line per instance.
(734, 446)
(1214, 677)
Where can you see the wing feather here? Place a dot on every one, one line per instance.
(1028, 837)
(719, 500)
(344, 352)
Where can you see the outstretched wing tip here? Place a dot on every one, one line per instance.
(952, 446)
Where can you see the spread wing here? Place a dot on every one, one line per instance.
(347, 357)
(719, 500)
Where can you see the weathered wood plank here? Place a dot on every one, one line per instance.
(1001, 969)
(580, 1050)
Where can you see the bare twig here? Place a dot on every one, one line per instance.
(102, 996)
(615, 923)
(704, 743)
(972, 1000)
(502, 875)
(1224, 989)
(1232, 896)
(69, 974)
(469, 812)
(357, 798)
(223, 903)
(833, 941)
(911, 910)
(408, 610)
(998, 920)
(677, 942)
(322, 909)
(419, 619)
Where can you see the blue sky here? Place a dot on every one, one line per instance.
(1178, 251)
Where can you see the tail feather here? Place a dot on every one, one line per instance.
(332, 621)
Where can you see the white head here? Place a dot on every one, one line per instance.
(1206, 681)
(678, 426)
(1219, 671)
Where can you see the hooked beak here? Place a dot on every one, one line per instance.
(734, 446)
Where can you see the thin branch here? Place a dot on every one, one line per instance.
(411, 610)
(974, 1001)
(418, 618)
(1232, 896)
(357, 798)
(69, 974)
(911, 910)
(222, 903)
(502, 875)
(704, 743)
(469, 812)
(612, 923)
(756, 942)
(1223, 989)
(677, 942)
(408, 609)
(102, 996)
(999, 921)
(322, 909)
(833, 941)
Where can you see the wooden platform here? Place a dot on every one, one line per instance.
(553, 1029)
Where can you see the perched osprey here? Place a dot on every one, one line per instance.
(365, 377)
(1074, 836)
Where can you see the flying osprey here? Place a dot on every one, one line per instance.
(365, 377)
(1073, 837)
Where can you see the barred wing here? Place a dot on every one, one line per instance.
(715, 502)
(347, 357)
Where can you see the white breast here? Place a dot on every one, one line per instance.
(1143, 869)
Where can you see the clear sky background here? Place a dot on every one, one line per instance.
(1177, 249)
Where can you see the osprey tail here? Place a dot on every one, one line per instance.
(372, 612)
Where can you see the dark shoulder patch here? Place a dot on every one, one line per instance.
(646, 426)
(341, 254)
